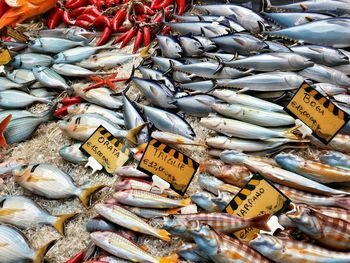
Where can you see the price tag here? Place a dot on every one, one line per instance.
(106, 149)
(322, 116)
(169, 164)
(5, 56)
(19, 36)
(256, 197)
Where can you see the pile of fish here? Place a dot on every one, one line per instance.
(232, 70)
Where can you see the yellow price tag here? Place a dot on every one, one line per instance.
(5, 56)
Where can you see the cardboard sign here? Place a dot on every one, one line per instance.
(169, 164)
(19, 36)
(256, 197)
(317, 112)
(5, 56)
(106, 149)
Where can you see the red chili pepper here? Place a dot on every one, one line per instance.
(91, 2)
(54, 17)
(181, 4)
(164, 4)
(100, 4)
(125, 1)
(78, 11)
(83, 24)
(78, 258)
(110, 3)
(122, 29)
(86, 17)
(166, 30)
(131, 33)
(146, 36)
(102, 21)
(92, 11)
(3, 7)
(143, 9)
(121, 37)
(71, 100)
(107, 31)
(72, 4)
(118, 19)
(159, 17)
(155, 3)
(67, 19)
(138, 40)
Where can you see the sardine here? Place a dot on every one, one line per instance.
(21, 76)
(22, 212)
(72, 154)
(14, 247)
(29, 60)
(148, 200)
(127, 219)
(203, 200)
(49, 78)
(335, 159)
(14, 99)
(53, 44)
(50, 182)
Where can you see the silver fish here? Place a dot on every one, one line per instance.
(190, 46)
(73, 33)
(8, 84)
(169, 46)
(14, 247)
(42, 92)
(195, 105)
(200, 86)
(206, 43)
(204, 201)
(29, 60)
(14, 99)
(53, 44)
(192, 253)
(328, 89)
(275, 46)
(148, 73)
(72, 154)
(49, 78)
(129, 171)
(166, 64)
(207, 29)
(293, 18)
(335, 159)
(21, 76)
(75, 71)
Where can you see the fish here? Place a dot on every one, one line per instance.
(244, 16)
(227, 143)
(215, 185)
(316, 171)
(275, 46)
(240, 129)
(22, 126)
(243, 44)
(15, 248)
(21, 76)
(149, 213)
(51, 182)
(53, 44)
(83, 108)
(203, 200)
(322, 73)
(146, 199)
(100, 224)
(222, 56)
(291, 251)
(158, 94)
(195, 105)
(272, 81)
(167, 122)
(316, 32)
(231, 174)
(171, 138)
(253, 115)
(176, 228)
(335, 159)
(148, 73)
(165, 64)
(127, 219)
(169, 46)
(123, 248)
(15, 99)
(139, 184)
(24, 213)
(224, 223)
(272, 62)
(327, 89)
(343, 98)
(42, 93)
(49, 78)
(190, 46)
(7, 166)
(75, 71)
(224, 198)
(109, 259)
(231, 97)
(129, 171)
(200, 86)
(331, 232)
(203, 28)
(133, 119)
(73, 33)
(72, 153)
(290, 19)
(339, 143)
(327, 56)
(102, 96)
(343, 68)
(192, 253)
(77, 54)
(278, 175)
(298, 196)
(8, 84)
(221, 248)
(29, 60)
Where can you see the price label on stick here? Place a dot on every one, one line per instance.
(106, 149)
(322, 116)
(169, 164)
(5, 56)
(256, 197)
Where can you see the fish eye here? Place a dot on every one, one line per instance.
(32, 42)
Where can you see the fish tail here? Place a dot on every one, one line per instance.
(290, 133)
(173, 211)
(186, 202)
(163, 234)
(85, 194)
(50, 114)
(145, 52)
(260, 222)
(41, 252)
(132, 133)
(3, 126)
(171, 259)
(343, 202)
(59, 223)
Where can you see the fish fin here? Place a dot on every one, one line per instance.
(202, 167)
(185, 202)
(59, 223)
(41, 252)
(289, 133)
(344, 202)
(132, 133)
(262, 27)
(174, 211)
(86, 193)
(145, 52)
(5, 212)
(3, 126)
(260, 222)
(50, 114)
(144, 248)
(304, 7)
(309, 18)
(163, 234)
(135, 229)
(34, 179)
(171, 259)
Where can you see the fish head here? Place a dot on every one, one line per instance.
(232, 157)
(341, 79)
(300, 61)
(336, 57)
(175, 225)
(75, 109)
(293, 80)
(16, 61)
(305, 219)
(101, 237)
(204, 237)
(122, 185)
(59, 58)
(210, 122)
(22, 173)
(35, 43)
(267, 245)
(288, 161)
(38, 68)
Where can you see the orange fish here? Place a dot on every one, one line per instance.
(21, 10)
